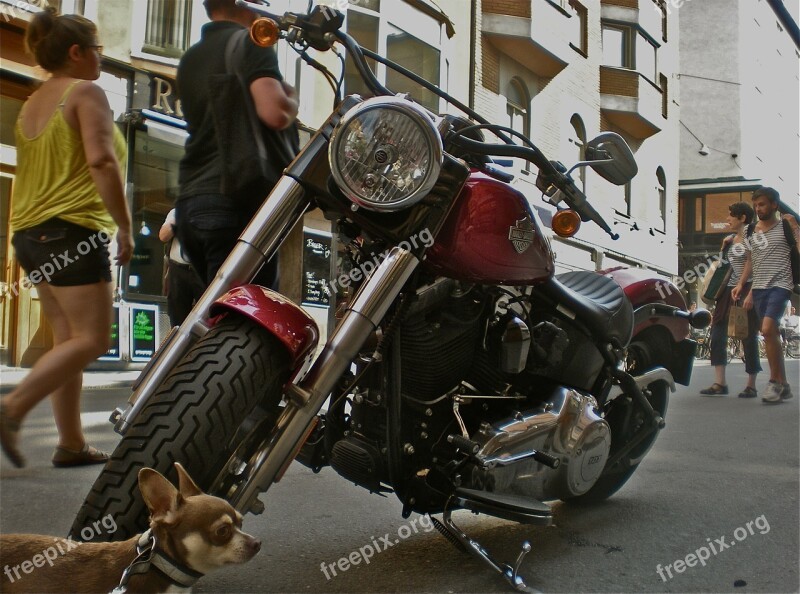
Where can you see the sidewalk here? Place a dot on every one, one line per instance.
(92, 380)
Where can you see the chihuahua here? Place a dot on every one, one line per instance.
(190, 534)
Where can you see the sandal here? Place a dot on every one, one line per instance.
(715, 390)
(748, 392)
(9, 434)
(63, 458)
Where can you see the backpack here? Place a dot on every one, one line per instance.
(251, 153)
(794, 254)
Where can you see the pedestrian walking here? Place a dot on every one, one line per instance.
(740, 215)
(68, 198)
(184, 286)
(210, 221)
(768, 257)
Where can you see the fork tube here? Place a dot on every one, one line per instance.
(306, 399)
(260, 239)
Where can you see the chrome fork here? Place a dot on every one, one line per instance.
(260, 240)
(305, 399)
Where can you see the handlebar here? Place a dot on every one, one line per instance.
(321, 28)
(572, 195)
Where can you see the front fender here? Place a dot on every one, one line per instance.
(288, 322)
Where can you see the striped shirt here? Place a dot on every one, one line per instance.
(770, 254)
(737, 256)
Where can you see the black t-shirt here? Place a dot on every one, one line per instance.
(199, 171)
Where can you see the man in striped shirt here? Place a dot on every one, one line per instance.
(768, 257)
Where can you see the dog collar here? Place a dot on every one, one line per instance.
(150, 555)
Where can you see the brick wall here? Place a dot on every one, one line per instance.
(619, 82)
(491, 66)
(625, 3)
(517, 8)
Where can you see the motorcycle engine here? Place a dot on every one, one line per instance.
(565, 426)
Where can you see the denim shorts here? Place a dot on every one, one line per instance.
(63, 254)
(771, 303)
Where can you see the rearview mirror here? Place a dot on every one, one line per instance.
(615, 161)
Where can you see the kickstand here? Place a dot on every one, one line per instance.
(511, 574)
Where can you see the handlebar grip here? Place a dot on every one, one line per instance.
(577, 200)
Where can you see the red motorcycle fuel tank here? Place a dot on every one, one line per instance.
(492, 236)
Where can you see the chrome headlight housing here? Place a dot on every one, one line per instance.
(386, 154)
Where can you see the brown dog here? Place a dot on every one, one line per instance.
(193, 534)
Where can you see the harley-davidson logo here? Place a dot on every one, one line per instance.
(521, 235)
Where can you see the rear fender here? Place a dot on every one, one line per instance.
(279, 316)
(643, 287)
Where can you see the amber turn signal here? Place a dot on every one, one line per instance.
(264, 32)
(566, 223)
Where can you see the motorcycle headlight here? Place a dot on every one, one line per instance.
(385, 154)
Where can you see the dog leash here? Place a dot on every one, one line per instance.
(149, 555)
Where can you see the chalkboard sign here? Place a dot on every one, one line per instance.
(143, 332)
(113, 353)
(316, 268)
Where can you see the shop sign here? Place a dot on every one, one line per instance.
(143, 331)
(114, 353)
(163, 98)
(316, 268)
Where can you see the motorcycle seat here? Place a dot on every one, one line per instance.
(596, 301)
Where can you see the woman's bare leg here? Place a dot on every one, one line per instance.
(81, 320)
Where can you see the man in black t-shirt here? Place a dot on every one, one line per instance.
(209, 222)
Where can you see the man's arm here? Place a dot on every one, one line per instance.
(275, 101)
(748, 268)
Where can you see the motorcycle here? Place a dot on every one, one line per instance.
(462, 373)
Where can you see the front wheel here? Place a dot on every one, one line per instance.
(234, 372)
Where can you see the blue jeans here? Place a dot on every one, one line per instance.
(208, 227)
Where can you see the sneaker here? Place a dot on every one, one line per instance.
(786, 392)
(748, 392)
(772, 393)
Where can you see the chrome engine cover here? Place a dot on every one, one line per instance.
(565, 426)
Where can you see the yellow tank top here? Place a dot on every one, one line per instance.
(53, 178)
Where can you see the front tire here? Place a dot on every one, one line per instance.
(234, 369)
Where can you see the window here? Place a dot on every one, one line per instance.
(518, 102)
(154, 176)
(419, 57)
(664, 95)
(646, 58)
(626, 47)
(579, 140)
(364, 29)
(662, 5)
(370, 24)
(615, 50)
(579, 35)
(661, 186)
(167, 27)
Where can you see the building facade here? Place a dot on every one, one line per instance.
(143, 41)
(561, 72)
(739, 115)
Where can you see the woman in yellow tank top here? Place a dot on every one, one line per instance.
(68, 199)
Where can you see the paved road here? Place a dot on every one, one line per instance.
(720, 464)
